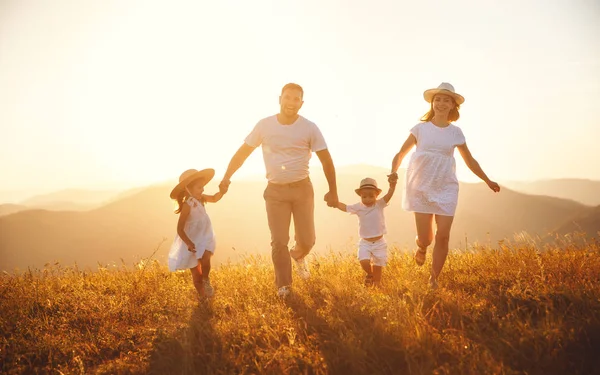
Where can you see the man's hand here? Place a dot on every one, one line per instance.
(332, 199)
(224, 186)
(493, 185)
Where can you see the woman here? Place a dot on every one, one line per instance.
(431, 185)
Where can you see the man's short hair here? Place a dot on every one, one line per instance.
(293, 86)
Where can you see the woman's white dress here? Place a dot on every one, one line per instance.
(431, 184)
(198, 228)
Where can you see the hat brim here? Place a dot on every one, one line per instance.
(206, 174)
(357, 191)
(429, 94)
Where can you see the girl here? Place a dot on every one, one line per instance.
(194, 243)
(431, 188)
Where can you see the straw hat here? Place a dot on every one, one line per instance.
(446, 89)
(368, 183)
(189, 176)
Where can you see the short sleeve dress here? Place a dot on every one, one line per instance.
(431, 184)
(198, 228)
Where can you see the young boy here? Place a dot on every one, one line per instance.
(372, 247)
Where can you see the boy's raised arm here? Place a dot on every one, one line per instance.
(391, 191)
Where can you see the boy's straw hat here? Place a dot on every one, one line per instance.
(368, 183)
(189, 176)
(446, 89)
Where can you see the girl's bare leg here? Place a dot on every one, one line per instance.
(197, 279)
(205, 264)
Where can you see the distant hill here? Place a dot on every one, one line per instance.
(588, 222)
(9, 208)
(580, 190)
(131, 227)
(76, 199)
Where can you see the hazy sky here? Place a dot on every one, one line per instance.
(116, 93)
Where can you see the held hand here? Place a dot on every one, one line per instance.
(332, 199)
(494, 186)
(392, 178)
(224, 186)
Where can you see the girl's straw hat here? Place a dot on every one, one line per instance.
(368, 183)
(189, 176)
(446, 89)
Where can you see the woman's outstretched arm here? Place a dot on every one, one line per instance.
(410, 142)
(475, 167)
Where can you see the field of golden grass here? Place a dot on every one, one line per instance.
(516, 309)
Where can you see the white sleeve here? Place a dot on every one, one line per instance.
(254, 139)
(317, 141)
(353, 208)
(415, 130)
(460, 137)
(382, 203)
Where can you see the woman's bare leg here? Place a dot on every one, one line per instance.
(424, 223)
(440, 250)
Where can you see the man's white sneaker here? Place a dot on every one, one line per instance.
(283, 292)
(209, 291)
(302, 268)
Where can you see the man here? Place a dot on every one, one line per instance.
(288, 141)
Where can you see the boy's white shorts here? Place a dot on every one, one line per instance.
(376, 251)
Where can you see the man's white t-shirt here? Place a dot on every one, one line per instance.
(371, 221)
(287, 149)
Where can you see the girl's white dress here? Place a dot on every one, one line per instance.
(431, 184)
(199, 229)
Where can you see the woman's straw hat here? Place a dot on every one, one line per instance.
(446, 89)
(368, 183)
(189, 176)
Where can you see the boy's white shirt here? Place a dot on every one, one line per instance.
(371, 221)
(287, 149)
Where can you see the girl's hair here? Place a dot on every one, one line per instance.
(452, 116)
(180, 200)
(184, 196)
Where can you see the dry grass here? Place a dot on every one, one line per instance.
(512, 310)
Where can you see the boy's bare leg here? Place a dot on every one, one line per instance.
(366, 266)
(377, 271)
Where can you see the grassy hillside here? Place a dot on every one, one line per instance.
(514, 310)
(139, 220)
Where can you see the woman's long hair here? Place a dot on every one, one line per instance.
(452, 116)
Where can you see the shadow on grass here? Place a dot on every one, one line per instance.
(520, 342)
(348, 347)
(195, 349)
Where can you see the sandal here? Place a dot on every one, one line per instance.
(420, 253)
